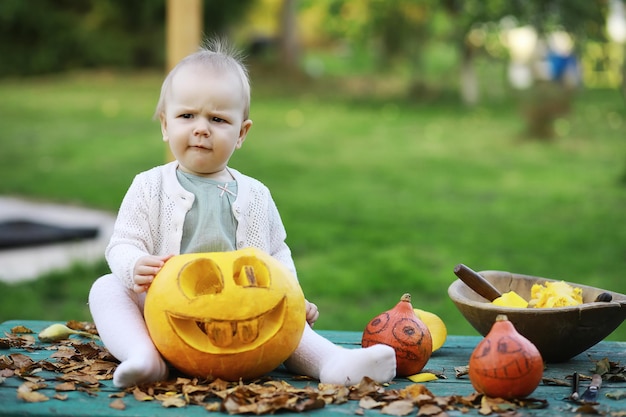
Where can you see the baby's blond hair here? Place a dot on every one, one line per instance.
(216, 54)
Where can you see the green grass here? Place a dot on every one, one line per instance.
(379, 197)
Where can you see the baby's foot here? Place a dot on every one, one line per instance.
(349, 366)
(138, 370)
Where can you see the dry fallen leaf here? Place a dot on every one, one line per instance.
(398, 408)
(139, 395)
(415, 391)
(616, 394)
(83, 326)
(65, 386)
(117, 404)
(31, 396)
(27, 392)
(171, 399)
(21, 362)
(461, 371)
(587, 409)
(368, 403)
(213, 407)
(556, 382)
(429, 410)
(21, 329)
(17, 340)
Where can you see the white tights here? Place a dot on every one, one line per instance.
(118, 315)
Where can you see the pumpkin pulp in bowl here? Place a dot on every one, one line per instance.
(559, 333)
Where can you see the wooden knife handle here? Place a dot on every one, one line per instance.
(476, 282)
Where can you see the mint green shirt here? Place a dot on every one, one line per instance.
(210, 225)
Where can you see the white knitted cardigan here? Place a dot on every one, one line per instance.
(151, 216)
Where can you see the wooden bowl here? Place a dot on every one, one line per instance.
(559, 333)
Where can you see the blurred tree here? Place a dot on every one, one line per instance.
(582, 18)
(288, 38)
(271, 31)
(399, 32)
(42, 36)
(550, 96)
(57, 35)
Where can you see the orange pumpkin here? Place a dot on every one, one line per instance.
(401, 329)
(228, 315)
(505, 364)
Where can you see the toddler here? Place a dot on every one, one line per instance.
(197, 203)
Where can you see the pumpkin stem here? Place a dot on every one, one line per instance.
(406, 297)
(501, 317)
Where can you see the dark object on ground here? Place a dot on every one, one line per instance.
(24, 233)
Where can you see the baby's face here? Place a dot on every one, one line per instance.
(204, 120)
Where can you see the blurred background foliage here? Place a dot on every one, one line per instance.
(426, 46)
(416, 48)
(43, 36)
(46, 36)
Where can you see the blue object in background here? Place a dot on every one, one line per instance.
(561, 65)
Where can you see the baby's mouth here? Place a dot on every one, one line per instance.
(201, 148)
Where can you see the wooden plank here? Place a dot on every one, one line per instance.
(454, 353)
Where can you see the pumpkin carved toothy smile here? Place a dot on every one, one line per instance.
(219, 336)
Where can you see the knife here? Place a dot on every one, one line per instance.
(591, 393)
(575, 383)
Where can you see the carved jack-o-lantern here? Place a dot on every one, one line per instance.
(228, 315)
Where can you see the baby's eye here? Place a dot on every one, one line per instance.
(186, 116)
(218, 119)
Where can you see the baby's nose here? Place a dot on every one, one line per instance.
(201, 128)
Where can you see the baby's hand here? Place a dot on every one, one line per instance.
(145, 270)
(311, 313)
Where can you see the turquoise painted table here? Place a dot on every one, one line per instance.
(445, 362)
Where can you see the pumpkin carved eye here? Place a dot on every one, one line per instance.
(251, 272)
(200, 277)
